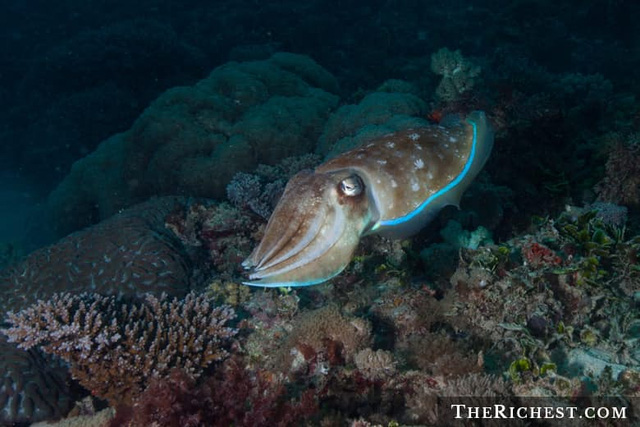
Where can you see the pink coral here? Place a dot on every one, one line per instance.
(115, 348)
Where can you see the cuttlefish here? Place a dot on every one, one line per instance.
(393, 186)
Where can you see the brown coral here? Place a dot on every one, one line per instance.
(375, 365)
(621, 184)
(131, 253)
(32, 387)
(225, 231)
(325, 336)
(114, 347)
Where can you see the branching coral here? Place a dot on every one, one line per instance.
(115, 347)
(223, 230)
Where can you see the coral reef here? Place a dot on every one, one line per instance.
(233, 396)
(376, 114)
(33, 387)
(229, 293)
(375, 365)
(559, 300)
(115, 348)
(222, 231)
(192, 140)
(549, 309)
(621, 183)
(130, 253)
(458, 74)
(323, 339)
(260, 191)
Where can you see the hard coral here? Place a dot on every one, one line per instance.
(224, 231)
(375, 365)
(260, 191)
(192, 140)
(377, 114)
(458, 74)
(621, 183)
(130, 253)
(115, 348)
(32, 386)
(324, 336)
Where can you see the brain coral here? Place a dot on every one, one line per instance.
(32, 387)
(131, 253)
(192, 140)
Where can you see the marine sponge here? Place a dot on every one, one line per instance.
(115, 348)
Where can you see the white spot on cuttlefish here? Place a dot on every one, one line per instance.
(395, 167)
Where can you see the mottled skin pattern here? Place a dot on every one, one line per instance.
(393, 186)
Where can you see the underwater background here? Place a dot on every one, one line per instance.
(144, 145)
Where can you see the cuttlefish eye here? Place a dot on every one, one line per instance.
(351, 186)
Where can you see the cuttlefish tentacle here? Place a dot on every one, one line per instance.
(317, 224)
(392, 186)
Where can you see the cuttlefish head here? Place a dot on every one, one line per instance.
(313, 231)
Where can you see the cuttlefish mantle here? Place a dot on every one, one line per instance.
(391, 186)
